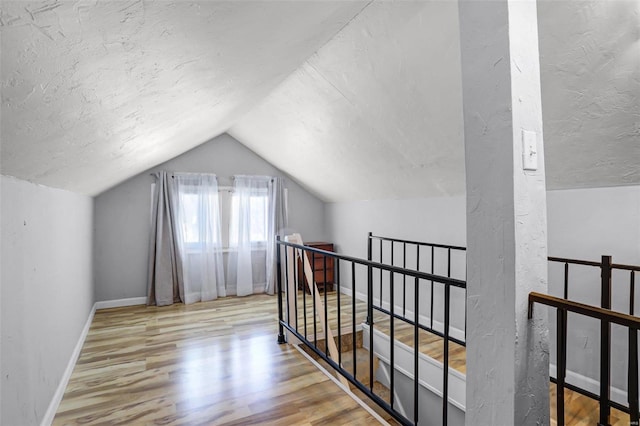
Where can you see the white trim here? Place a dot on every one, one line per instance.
(429, 368)
(454, 332)
(62, 386)
(117, 303)
(592, 385)
(343, 387)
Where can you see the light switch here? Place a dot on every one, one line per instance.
(529, 150)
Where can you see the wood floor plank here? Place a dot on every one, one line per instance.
(218, 363)
(207, 363)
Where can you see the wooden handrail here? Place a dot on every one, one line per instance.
(580, 308)
(574, 261)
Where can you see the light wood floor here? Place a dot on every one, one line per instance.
(207, 363)
(218, 363)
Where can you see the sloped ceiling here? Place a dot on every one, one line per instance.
(354, 100)
(377, 112)
(94, 92)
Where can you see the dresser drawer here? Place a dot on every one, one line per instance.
(323, 268)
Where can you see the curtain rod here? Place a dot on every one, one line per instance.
(213, 174)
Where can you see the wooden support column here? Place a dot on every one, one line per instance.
(507, 355)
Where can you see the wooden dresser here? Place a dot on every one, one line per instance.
(317, 262)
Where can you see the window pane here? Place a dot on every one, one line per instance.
(190, 228)
(198, 211)
(257, 222)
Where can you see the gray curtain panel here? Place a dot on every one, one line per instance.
(165, 279)
(278, 224)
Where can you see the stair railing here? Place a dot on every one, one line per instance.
(606, 267)
(436, 254)
(289, 311)
(607, 317)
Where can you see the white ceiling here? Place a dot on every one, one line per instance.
(94, 92)
(354, 100)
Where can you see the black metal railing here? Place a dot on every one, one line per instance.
(606, 316)
(414, 249)
(354, 268)
(384, 267)
(606, 267)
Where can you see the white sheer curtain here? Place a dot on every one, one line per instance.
(198, 236)
(257, 216)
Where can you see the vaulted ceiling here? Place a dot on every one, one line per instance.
(354, 100)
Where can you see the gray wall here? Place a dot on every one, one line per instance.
(585, 224)
(122, 213)
(582, 224)
(437, 220)
(47, 292)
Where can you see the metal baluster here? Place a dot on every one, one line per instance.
(445, 362)
(632, 384)
(339, 312)
(561, 363)
(312, 289)
(296, 287)
(416, 346)
(431, 301)
(279, 290)
(304, 300)
(380, 260)
(392, 341)
(404, 280)
(566, 280)
(286, 265)
(326, 308)
(369, 283)
(353, 315)
(632, 292)
(605, 344)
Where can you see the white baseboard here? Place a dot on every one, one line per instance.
(437, 325)
(62, 386)
(592, 385)
(117, 303)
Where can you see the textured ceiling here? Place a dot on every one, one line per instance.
(376, 113)
(590, 66)
(95, 92)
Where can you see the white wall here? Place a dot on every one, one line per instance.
(47, 292)
(582, 224)
(122, 214)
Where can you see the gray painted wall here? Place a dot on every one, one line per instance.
(122, 214)
(437, 220)
(582, 224)
(47, 292)
(586, 224)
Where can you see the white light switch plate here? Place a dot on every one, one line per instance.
(529, 150)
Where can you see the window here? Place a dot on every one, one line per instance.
(193, 207)
(256, 221)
